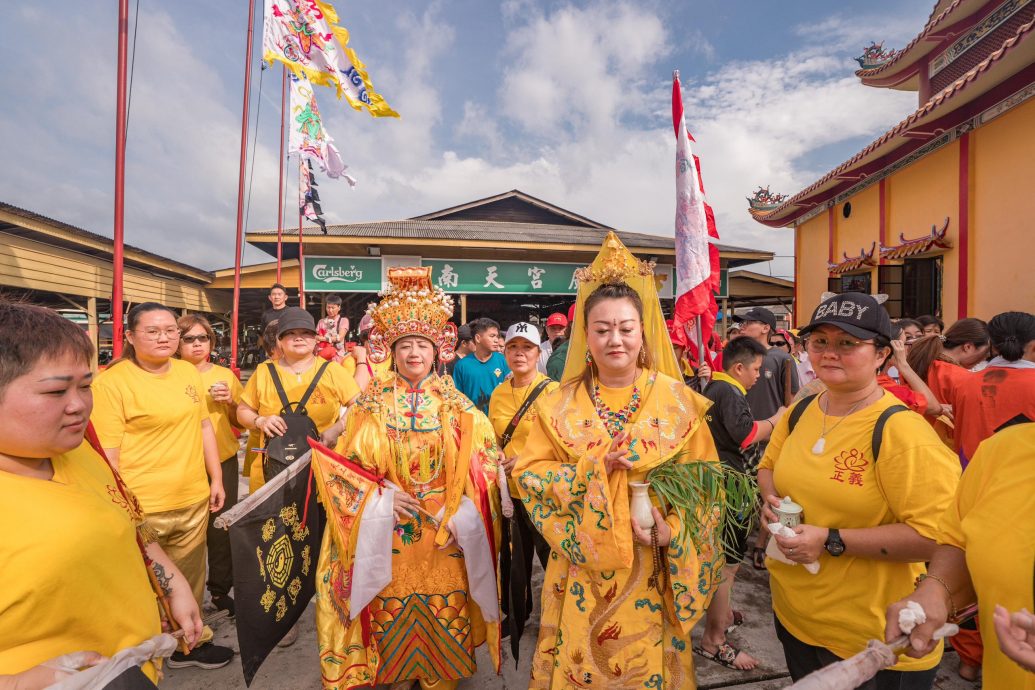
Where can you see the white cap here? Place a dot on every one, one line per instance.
(523, 330)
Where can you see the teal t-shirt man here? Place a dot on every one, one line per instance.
(478, 374)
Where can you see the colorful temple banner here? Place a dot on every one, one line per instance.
(306, 37)
(308, 137)
(308, 197)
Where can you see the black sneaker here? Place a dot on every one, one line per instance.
(224, 602)
(207, 656)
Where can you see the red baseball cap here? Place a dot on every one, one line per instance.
(557, 319)
(571, 313)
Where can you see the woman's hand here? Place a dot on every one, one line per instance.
(404, 506)
(330, 435)
(216, 496)
(508, 462)
(933, 599)
(769, 503)
(185, 611)
(1016, 635)
(807, 544)
(220, 392)
(617, 454)
(704, 372)
(899, 352)
(643, 535)
(271, 426)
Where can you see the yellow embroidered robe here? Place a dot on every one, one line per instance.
(602, 626)
(424, 624)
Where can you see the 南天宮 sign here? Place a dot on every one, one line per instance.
(517, 277)
(342, 274)
(460, 276)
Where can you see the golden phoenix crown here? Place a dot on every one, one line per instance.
(617, 265)
(411, 305)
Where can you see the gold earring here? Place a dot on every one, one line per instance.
(643, 356)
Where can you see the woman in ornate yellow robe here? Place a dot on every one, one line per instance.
(617, 613)
(427, 439)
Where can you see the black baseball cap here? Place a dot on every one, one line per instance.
(760, 314)
(295, 317)
(854, 313)
(463, 334)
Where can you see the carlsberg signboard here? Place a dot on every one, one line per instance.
(342, 274)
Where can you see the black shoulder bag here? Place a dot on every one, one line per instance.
(508, 433)
(282, 451)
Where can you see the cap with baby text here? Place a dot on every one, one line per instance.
(853, 312)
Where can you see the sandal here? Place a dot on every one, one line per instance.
(758, 558)
(725, 655)
(738, 620)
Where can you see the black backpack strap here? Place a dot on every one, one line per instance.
(798, 410)
(282, 394)
(532, 395)
(285, 405)
(300, 406)
(878, 428)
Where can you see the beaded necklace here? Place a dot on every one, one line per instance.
(428, 468)
(615, 420)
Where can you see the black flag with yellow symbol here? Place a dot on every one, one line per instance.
(275, 542)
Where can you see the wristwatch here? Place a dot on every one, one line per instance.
(834, 546)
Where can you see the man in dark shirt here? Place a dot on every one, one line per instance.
(778, 381)
(734, 430)
(278, 298)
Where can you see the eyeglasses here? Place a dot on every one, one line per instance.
(203, 338)
(842, 346)
(172, 333)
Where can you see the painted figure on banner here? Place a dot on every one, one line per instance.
(620, 596)
(308, 137)
(407, 576)
(306, 37)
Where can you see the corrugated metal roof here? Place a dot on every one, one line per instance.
(493, 231)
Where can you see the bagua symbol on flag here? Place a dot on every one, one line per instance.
(275, 544)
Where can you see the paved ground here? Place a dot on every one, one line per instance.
(297, 667)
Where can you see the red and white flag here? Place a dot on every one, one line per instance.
(697, 259)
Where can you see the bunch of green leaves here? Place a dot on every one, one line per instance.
(707, 497)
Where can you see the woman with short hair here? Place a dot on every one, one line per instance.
(74, 575)
(873, 480)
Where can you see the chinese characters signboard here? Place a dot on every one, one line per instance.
(460, 276)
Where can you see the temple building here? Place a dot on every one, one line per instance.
(936, 212)
(511, 256)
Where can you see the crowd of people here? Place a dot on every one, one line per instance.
(896, 455)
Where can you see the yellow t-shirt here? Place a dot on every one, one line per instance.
(506, 400)
(348, 363)
(217, 412)
(73, 576)
(991, 519)
(155, 422)
(335, 390)
(842, 607)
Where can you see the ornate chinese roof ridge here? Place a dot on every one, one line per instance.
(763, 199)
(920, 245)
(874, 56)
(937, 100)
(932, 22)
(854, 263)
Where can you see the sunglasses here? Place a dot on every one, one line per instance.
(778, 343)
(203, 338)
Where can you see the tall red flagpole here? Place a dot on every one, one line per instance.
(240, 184)
(120, 182)
(301, 272)
(280, 184)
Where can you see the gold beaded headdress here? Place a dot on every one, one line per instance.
(411, 305)
(616, 264)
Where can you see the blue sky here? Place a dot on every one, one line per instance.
(568, 101)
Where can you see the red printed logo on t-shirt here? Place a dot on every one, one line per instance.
(317, 398)
(849, 466)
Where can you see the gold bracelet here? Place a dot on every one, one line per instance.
(948, 591)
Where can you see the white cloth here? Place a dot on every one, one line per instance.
(806, 374)
(1007, 364)
(481, 573)
(545, 350)
(372, 570)
(774, 552)
(158, 647)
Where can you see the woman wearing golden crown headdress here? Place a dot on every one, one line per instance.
(620, 597)
(438, 454)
